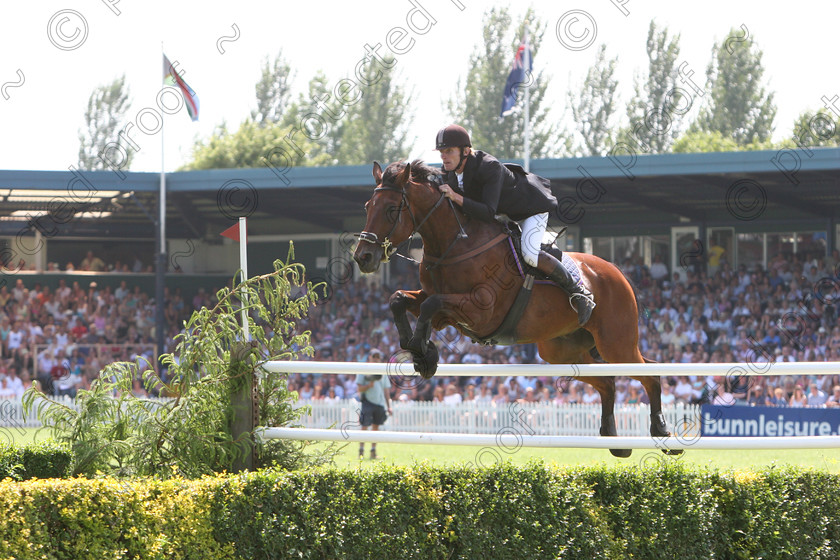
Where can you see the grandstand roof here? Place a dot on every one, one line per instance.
(604, 196)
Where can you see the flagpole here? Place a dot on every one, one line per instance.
(527, 63)
(160, 271)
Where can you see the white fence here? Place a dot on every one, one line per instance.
(488, 418)
(560, 370)
(466, 418)
(572, 425)
(11, 414)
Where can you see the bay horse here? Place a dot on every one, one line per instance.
(467, 281)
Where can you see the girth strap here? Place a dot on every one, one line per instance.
(506, 333)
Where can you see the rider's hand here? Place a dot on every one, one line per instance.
(450, 194)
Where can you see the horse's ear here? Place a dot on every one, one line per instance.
(405, 175)
(377, 172)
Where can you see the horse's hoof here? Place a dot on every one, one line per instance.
(417, 345)
(672, 451)
(426, 365)
(657, 426)
(608, 430)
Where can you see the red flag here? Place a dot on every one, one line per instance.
(232, 232)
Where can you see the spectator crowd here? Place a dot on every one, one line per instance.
(63, 337)
(786, 312)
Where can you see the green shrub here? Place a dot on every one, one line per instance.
(424, 512)
(46, 459)
(107, 518)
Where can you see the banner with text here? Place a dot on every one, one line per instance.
(766, 421)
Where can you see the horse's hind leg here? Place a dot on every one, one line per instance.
(617, 342)
(574, 349)
(606, 388)
(658, 428)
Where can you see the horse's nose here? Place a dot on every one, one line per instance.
(363, 259)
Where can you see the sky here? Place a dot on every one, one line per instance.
(55, 52)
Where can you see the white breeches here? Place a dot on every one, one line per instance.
(533, 229)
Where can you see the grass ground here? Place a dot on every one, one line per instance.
(406, 455)
(21, 436)
(403, 454)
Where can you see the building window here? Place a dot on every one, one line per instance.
(751, 249)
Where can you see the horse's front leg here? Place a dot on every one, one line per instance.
(443, 309)
(403, 301)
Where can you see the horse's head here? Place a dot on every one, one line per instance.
(395, 212)
(385, 227)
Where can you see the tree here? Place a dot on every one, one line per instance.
(324, 150)
(815, 129)
(253, 145)
(657, 108)
(373, 128)
(261, 143)
(593, 109)
(738, 105)
(104, 117)
(377, 126)
(273, 91)
(699, 141)
(478, 103)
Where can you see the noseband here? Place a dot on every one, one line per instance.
(389, 248)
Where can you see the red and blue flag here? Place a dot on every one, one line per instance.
(518, 76)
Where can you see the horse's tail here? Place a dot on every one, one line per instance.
(643, 311)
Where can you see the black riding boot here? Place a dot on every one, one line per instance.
(580, 298)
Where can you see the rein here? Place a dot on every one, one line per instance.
(431, 262)
(387, 247)
(443, 261)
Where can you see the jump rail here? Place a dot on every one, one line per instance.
(560, 370)
(514, 441)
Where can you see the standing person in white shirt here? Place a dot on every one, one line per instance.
(376, 400)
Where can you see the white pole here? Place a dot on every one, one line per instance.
(559, 370)
(527, 63)
(162, 208)
(243, 265)
(161, 264)
(514, 440)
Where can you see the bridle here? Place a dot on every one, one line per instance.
(388, 248)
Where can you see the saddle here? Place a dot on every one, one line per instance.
(515, 231)
(505, 334)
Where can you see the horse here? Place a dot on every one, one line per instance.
(470, 279)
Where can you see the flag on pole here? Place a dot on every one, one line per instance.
(171, 78)
(239, 232)
(518, 75)
(232, 232)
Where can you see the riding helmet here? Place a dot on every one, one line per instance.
(452, 136)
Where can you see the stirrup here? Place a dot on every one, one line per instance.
(586, 312)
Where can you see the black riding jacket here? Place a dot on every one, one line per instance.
(491, 188)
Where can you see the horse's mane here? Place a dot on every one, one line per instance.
(421, 172)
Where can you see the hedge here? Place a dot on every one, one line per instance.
(46, 459)
(424, 512)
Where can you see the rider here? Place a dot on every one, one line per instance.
(483, 187)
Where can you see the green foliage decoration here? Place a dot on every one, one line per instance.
(114, 432)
